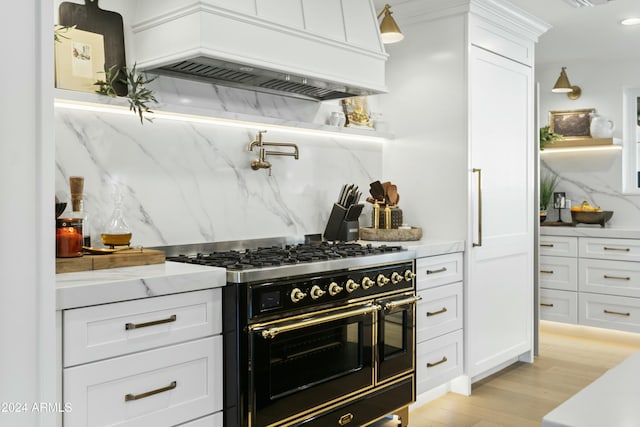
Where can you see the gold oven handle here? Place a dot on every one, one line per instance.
(397, 303)
(276, 330)
(479, 171)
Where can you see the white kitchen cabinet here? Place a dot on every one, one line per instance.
(558, 273)
(153, 361)
(609, 311)
(593, 281)
(108, 330)
(565, 246)
(500, 269)
(606, 248)
(609, 283)
(559, 306)
(558, 278)
(439, 320)
(464, 158)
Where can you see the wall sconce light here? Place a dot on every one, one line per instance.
(563, 86)
(389, 30)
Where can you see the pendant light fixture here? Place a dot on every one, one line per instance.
(389, 30)
(563, 86)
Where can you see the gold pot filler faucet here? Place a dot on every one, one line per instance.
(260, 162)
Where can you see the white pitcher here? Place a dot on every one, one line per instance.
(601, 127)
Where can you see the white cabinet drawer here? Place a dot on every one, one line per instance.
(616, 249)
(438, 361)
(558, 273)
(99, 332)
(214, 420)
(186, 379)
(559, 246)
(439, 311)
(607, 311)
(610, 277)
(438, 270)
(559, 306)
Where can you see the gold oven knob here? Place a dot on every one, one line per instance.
(367, 283)
(409, 275)
(396, 278)
(334, 289)
(381, 280)
(351, 285)
(297, 295)
(316, 292)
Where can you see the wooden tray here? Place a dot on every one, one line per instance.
(390, 235)
(126, 258)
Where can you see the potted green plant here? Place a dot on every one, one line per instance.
(547, 137)
(138, 95)
(548, 183)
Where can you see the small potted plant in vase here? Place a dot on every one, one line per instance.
(548, 183)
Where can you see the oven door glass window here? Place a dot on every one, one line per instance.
(307, 366)
(396, 339)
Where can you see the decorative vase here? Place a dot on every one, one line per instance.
(543, 216)
(601, 127)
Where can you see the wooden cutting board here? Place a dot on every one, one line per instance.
(126, 258)
(89, 17)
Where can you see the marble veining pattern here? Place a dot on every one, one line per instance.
(189, 182)
(596, 178)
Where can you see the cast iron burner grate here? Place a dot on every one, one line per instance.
(274, 256)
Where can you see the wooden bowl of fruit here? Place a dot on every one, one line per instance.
(587, 214)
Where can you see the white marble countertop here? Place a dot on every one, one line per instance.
(424, 247)
(591, 231)
(611, 400)
(85, 288)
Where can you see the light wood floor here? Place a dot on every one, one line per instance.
(522, 394)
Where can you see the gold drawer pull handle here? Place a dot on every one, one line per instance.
(617, 312)
(435, 313)
(479, 172)
(546, 271)
(440, 270)
(439, 362)
(546, 245)
(171, 318)
(345, 419)
(606, 276)
(545, 304)
(129, 397)
(617, 249)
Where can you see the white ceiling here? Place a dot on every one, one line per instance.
(578, 33)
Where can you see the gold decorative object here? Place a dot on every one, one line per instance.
(116, 239)
(357, 112)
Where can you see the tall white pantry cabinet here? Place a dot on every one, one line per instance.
(461, 86)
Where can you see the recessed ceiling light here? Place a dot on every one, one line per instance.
(630, 21)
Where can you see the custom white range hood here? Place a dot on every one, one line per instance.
(311, 49)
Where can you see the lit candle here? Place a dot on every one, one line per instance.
(68, 238)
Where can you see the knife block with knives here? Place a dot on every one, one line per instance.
(344, 224)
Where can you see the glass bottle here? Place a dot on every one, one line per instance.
(76, 183)
(117, 232)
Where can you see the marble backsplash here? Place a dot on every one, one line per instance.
(594, 177)
(184, 182)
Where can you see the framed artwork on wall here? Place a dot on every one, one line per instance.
(79, 60)
(571, 124)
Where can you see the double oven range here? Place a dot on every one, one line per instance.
(317, 334)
